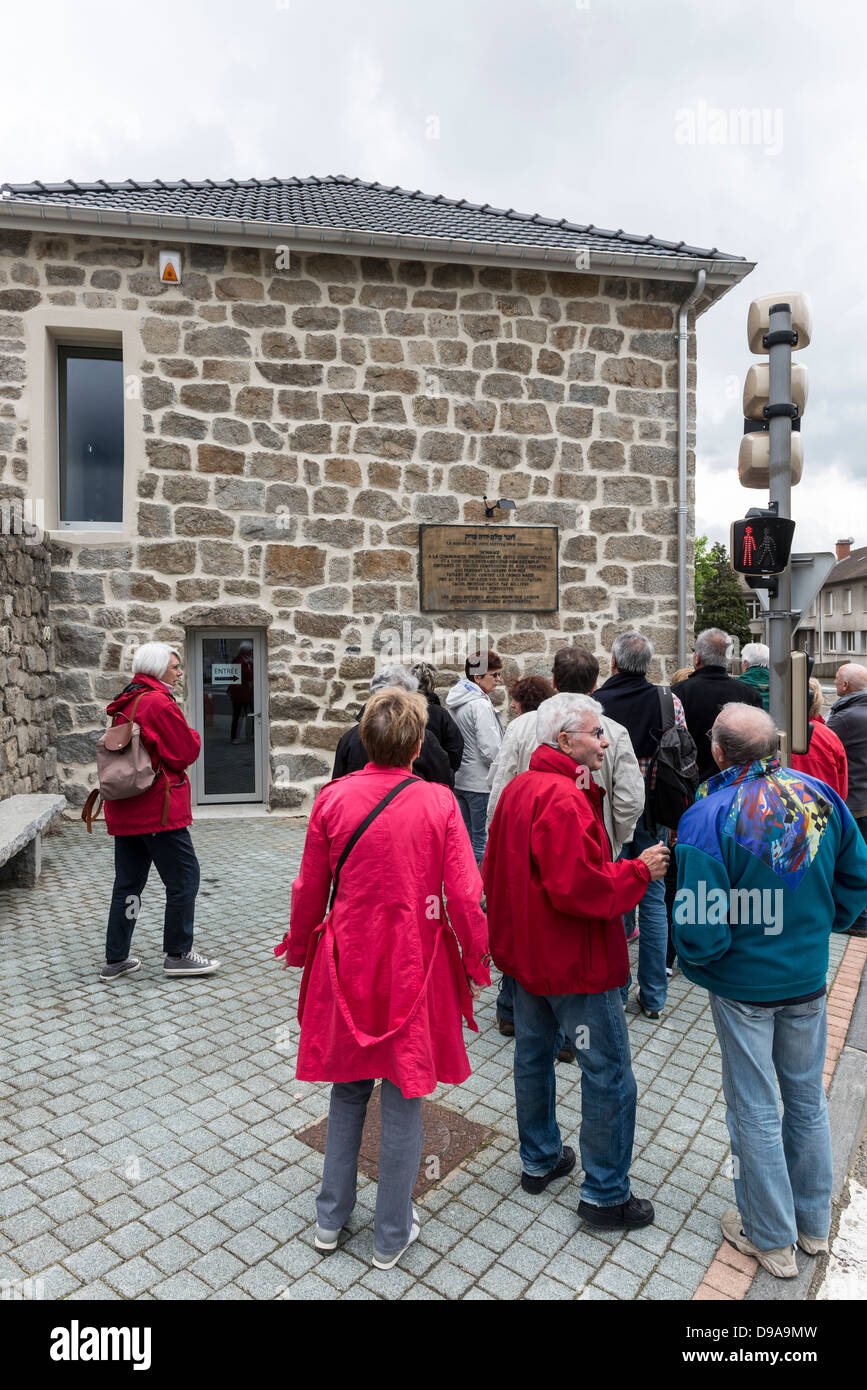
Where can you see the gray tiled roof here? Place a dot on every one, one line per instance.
(853, 567)
(352, 204)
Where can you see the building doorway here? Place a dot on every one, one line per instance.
(227, 683)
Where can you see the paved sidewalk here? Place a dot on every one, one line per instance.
(146, 1127)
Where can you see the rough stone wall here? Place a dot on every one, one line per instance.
(300, 423)
(27, 734)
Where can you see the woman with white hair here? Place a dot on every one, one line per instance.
(151, 827)
(432, 764)
(755, 658)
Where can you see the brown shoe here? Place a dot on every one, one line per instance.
(506, 1026)
(565, 1055)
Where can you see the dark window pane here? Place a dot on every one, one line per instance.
(91, 434)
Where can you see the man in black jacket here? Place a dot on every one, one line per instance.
(432, 764)
(707, 690)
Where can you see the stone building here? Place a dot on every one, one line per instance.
(238, 459)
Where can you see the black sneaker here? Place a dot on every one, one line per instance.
(117, 968)
(627, 1217)
(533, 1183)
(654, 1014)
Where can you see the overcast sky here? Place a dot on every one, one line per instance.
(602, 111)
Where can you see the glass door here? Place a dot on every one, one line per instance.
(227, 690)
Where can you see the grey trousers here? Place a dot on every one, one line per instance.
(400, 1148)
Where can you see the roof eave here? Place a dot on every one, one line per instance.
(84, 221)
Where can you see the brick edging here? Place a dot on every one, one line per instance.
(731, 1274)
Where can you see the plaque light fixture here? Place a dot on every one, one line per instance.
(505, 504)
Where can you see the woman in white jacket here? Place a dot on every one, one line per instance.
(469, 704)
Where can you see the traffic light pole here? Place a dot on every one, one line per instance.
(780, 468)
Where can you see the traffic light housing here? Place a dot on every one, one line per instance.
(761, 543)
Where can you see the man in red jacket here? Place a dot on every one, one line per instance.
(555, 902)
(151, 828)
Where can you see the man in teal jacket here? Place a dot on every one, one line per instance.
(769, 863)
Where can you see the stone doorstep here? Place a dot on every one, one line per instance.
(22, 819)
(731, 1275)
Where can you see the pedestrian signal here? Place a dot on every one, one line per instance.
(761, 544)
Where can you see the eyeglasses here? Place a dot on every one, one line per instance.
(591, 733)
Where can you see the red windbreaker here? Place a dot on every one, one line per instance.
(826, 758)
(554, 898)
(171, 743)
(384, 984)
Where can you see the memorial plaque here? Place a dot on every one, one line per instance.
(494, 569)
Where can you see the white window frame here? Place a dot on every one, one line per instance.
(847, 600)
(47, 329)
(829, 603)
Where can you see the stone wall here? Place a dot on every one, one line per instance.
(300, 423)
(27, 734)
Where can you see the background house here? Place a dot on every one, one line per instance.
(834, 628)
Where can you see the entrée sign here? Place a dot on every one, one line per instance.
(466, 569)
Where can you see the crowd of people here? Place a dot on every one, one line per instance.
(599, 814)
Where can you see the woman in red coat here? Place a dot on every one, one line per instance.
(151, 828)
(827, 756)
(387, 975)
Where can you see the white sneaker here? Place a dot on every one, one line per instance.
(381, 1262)
(813, 1246)
(326, 1240)
(191, 963)
(781, 1263)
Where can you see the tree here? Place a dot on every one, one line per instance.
(718, 598)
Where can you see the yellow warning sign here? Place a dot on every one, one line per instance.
(169, 273)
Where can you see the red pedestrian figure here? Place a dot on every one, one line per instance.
(749, 546)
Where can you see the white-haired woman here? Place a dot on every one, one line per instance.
(151, 828)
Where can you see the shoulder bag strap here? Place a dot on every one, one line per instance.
(666, 706)
(88, 814)
(359, 831)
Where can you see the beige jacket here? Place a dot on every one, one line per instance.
(619, 775)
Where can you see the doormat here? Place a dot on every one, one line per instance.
(448, 1140)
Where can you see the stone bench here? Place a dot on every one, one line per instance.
(22, 820)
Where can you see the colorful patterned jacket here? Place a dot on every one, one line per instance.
(769, 863)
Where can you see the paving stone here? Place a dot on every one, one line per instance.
(172, 1254)
(217, 1268)
(91, 1261)
(548, 1289)
(263, 1280)
(131, 1240)
(133, 1276)
(167, 1219)
(181, 1288)
(206, 1233)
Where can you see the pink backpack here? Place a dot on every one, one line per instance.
(123, 768)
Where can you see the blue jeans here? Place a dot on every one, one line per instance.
(474, 809)
(783, 1173)
(861, 919)
(596, 1024)
(652, 924)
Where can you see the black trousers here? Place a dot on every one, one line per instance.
(175, 858)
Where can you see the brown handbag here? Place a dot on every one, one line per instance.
(123, 768)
